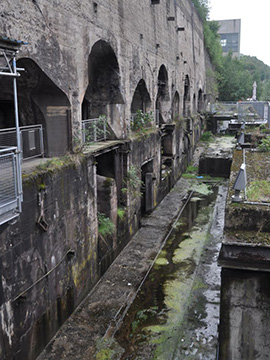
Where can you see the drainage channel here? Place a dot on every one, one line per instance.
(176, 312)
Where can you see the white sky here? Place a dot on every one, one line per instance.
(255, 24)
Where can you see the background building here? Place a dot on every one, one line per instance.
(230, 31)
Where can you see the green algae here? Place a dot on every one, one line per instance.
(202, 189)
(161, 261)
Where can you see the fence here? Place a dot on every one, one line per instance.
(224, 108)
(94, 130)
(253, 112)
(31, 140)
(10, 184)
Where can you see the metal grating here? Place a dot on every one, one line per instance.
(31, 140)
(8, 186)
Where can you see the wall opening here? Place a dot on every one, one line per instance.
(176, 107)
(40, 101)
(147, 189)
(186, 100)
(200, 101)
(141, 98)
(103, 91)
(162, 95)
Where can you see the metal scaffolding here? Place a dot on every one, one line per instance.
(11, 194)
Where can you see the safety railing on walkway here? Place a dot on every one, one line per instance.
(10, 184)
(31, 140)
(94, 130)
(224, 108)
(253, 112)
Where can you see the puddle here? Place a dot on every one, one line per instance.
(172, 314)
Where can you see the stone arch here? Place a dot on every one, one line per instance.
(40, 102)
(163, 97)
(186, 99)
(141, 99)
(200, 101)
(103, 92)
(176, 106)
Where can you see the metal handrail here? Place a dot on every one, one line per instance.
(10, 183)
(94, 130)
(36, 139)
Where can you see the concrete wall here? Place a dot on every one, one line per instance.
(245, 321)
(61, 37)
(50, 255)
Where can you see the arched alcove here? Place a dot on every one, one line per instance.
(176, 106)
(40, 101)
(163, 97)
(200, 101)
(186, 99)
(103, 92)
(141, 99)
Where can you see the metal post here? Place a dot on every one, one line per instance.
(41, 141)
(95, 130)
(18, 136)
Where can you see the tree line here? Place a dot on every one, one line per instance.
(234, 77)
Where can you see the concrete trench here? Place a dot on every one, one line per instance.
(101, 326)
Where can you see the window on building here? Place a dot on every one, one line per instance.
(154, 2)
(223, 42)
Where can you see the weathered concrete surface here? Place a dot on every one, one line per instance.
(217, 158)
(103, 307)
(139, 37)
(245, 261)
(245, 321)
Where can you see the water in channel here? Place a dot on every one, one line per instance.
(175, 315)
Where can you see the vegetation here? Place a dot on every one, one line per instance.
(141, 120)
(235, 77)
(105, 226)
(133, 182)
(259, 190)
(265, 145)
(211, 37)
(206, 136)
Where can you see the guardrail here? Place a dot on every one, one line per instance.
(31, 140)
(94, 130)
(10, 184)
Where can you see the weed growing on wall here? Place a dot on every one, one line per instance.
(105, 226)
(133, 182)
(141, 120)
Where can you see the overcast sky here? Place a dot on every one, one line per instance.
(255, 24)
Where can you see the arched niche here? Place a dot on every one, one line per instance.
(186, 99)
(103, 95)
(141, 99)
(194, 104)
(176, 106)
(163, 97)
(200, 101)
(40, 101)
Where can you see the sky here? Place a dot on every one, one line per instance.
(255, 24)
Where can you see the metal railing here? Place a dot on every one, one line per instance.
(253, 112)
(10, 183)
(94, 130)
(31, 140)
(224, 108)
